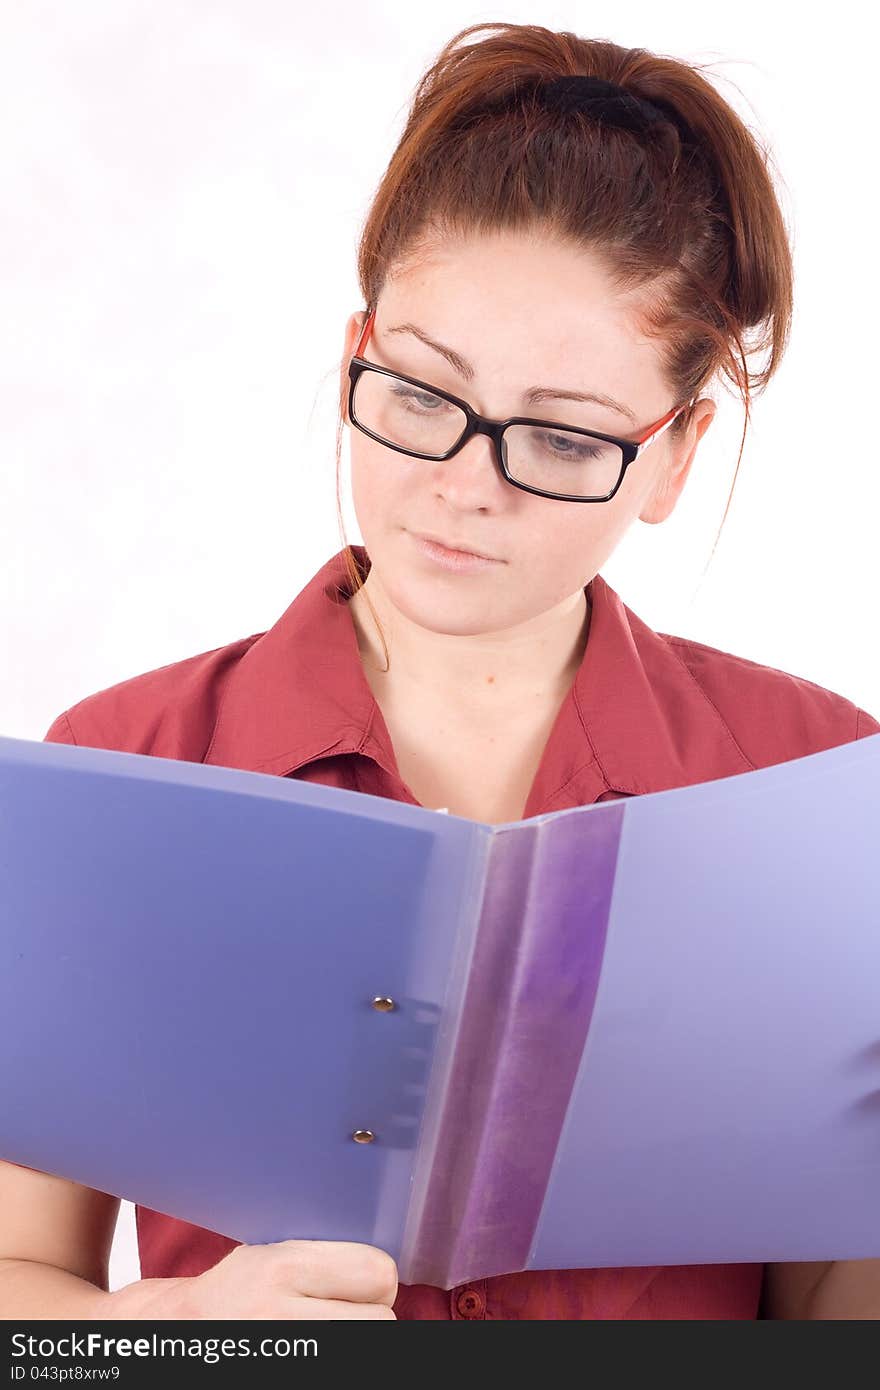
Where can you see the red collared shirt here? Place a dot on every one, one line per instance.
(646, 712)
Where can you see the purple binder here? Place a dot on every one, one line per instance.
(642, 1032)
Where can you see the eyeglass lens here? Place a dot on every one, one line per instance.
(550, 459)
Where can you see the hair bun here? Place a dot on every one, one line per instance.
(597, 97)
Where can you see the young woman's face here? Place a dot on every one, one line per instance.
(520, 312)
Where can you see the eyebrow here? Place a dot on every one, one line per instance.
(534, 395)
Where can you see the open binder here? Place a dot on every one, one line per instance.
(641, 1032)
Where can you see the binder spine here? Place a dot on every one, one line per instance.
(525, 1017)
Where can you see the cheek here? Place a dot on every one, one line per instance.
(373, 481)
(576, 530)
(563, 551)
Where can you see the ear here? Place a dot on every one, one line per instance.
(353, 328)
(673, 476)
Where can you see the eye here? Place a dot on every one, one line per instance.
(572, 446)
(424, 402)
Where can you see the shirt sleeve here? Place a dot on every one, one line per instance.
(60, 731)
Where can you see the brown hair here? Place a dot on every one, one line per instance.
(688, 209)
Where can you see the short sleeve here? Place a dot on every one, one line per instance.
(59, 731)
(866, 724)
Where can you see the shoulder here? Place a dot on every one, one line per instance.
(773, 714)
(166, 712)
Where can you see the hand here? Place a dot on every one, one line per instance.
(290, 1279)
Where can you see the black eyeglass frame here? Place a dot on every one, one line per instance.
(480, 424)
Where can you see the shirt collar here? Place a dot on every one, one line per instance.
(634, 721)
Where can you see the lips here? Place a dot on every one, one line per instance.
(458, 545)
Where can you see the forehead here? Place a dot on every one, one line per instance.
(524, 304)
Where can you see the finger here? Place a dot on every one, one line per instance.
(338, 1269)
(325, 1309)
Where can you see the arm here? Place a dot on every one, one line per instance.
(55, 1241)
(30, 1289)
(837, 1289)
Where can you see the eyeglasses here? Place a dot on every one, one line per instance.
(539, 456)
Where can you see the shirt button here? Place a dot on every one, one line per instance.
(470, 1304)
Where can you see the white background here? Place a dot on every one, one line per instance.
(182, 188)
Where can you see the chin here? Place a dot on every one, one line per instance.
(441, 609)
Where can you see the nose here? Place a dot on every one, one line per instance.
(472, 473)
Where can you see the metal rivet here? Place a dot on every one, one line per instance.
(383, 1004)
(363, 1136)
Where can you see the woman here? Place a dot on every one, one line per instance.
(572, 239)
